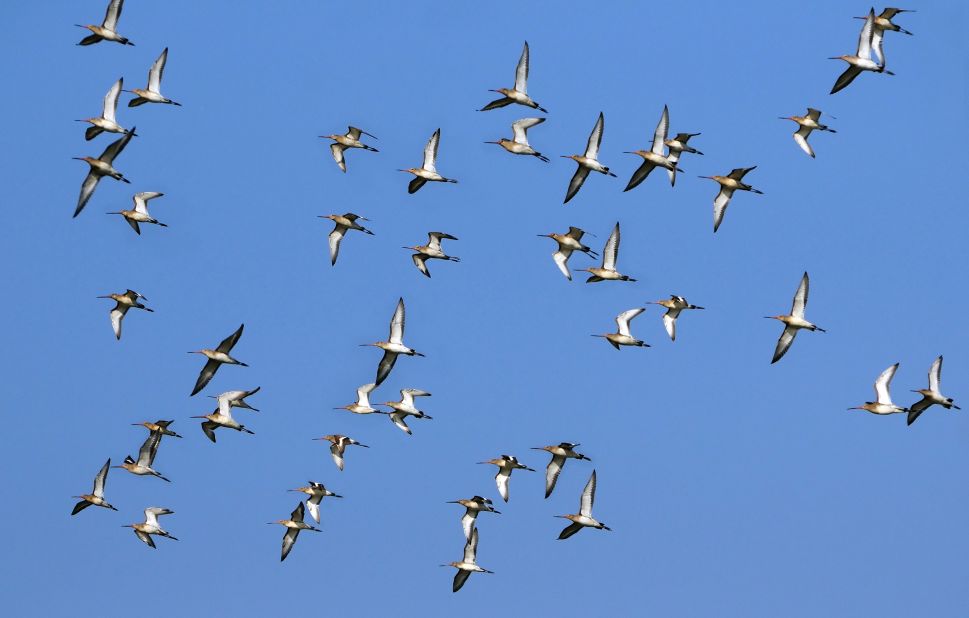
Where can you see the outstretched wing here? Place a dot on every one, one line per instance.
(588, 496)
(155, 74)
(611, 250)
(334, 240)
(883, 383)
(112, 14)
(430, 151)
(801, 297)
(800, 136)
(552, 472)
(561, 259)
(229, 342)
(662, 128)
(111, 101)
(595, 138)
(576, 183)
(521, 72)
(783, 343)
(337, 150)
(520, 127)
(720, 206)
(115, 147)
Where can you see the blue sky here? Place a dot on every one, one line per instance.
(734, 487)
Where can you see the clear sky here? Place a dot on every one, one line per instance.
(734, 487)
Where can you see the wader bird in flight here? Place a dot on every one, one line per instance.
(806, 124)
(350, 140)
(674, 305)
(519, 145)
(473, 506)
(394, 346)
(427, 171)
(567, 243)
(146, 457)
(654, 157)
(159, 426)
(405, 407)
(150, 527)
(931, 395)
(560, 452)
(728, 184)
(96, 497)
(100, 167)
(610, 253)
(140, 214)
(587, 162)
(883, 22)
(883, 400)
(518, 94)
(584, 518)
(152, 94)
(338, 444)
(431, 251)
(216, 358)
(342, 223)
(237, 399)
(107, 121)
(293, 526)
(677, 146)
(506, 465)
(861, 61)
(107, 31)
(222, 417)
(622, 336)
(468, 564)
(795, 321)
(316, 492)
(123, 302)
(362, 405)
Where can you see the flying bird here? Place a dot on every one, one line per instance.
(795, 321)
(608, 272)
(806, 124)
(587, 162)
(216, 358)
(350, 140)
(96, 497)
(584, 518)
(150, 527)
(146, 457)
(469, 564)
(518, 94)
(394, 346)
(506, 465)
(674, 305)
(622, 336)
(560, 452)
(861, 61)
(405, 407)
(108, 30)
(427, 172)
(100, 167)
(431, 251)
(677, 146)
(567, 243)
(123, 302)
(152, 94)
(159, 426)
(139, 214)
(106, 121)
(342, 223)
(222, 417)
(519, 145)
(655, 156)
(931, 395)
(882, 23)
(362, 405)
(316, 492)
(728, 184)
(237, 399)
(883, 400)
(293, 527)
(473, 506)
(338, 444)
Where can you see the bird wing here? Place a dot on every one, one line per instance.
(801, 297)
(297, 514)
(115, 147)
(397, 324)
(935, 376)
(740, 172)
(156, 71)
(669, 321)
(561, 259)
(459, 578)
(588, 496)
(877, 44)
(595, 138)
(865, 36)
(336, 451)
(471, 548)
(521, 71)
(917, 408)
(552, 472)
(430, 151)
(814, 114)
(208, 428)
(111, 101)
(229, 342)
(314, 506)
(334, 239)
(800, 136)
(398, 419)
(146, 454)
(502, 102)
(467, 522)
(420, 261)
(662, 128)
(576, 183)
(384, 366)
(624, 318)
(80, 506)
(100, 479)
(134, 225)
(337, 150)
(575, 233)
(501, 479)
(112, 14)
(570, 530)
(117, 315)
(363, 394)
(289, 539)
(846, 78)
(520, 127)
(720, 206)
(145, 538)
(205, 376)
(141, 200)
(883, 383)
(415, 184)
(611, 250)
(640, 175)
(783, 343)
(87, 190)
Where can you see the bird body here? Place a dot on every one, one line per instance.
(728, 184)
(806, 124)
(146, 458)
(518, 94)
(861, 60)
(567, 243)
(519, 145)
(139, 214)
(222, 417)
(150, 527)
(584, 518)
(795, 321)
(294, 525)
(473, 506)
(100, 167)
(96, 497)
(217, 358)
(676, 147)
(623, 336)
(506, 465)
(316, 492)
(427, 171)
(152, 93)
(468, 564)
(560, 452)
(431, 251)
(405, 407)
(674, 306)
(394, 346)
(610, 254)
(338, 445)
(362, 404)
(588, 162)
(341, 224)
(108, 30)
(350, 140)
(931, 395)
(107, 120)
(123, 302)
(883, 399)
(655, 156)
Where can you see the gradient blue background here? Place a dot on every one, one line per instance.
(734, 487)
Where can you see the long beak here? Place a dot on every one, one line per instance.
(490, 142)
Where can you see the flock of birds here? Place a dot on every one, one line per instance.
(664, 152)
